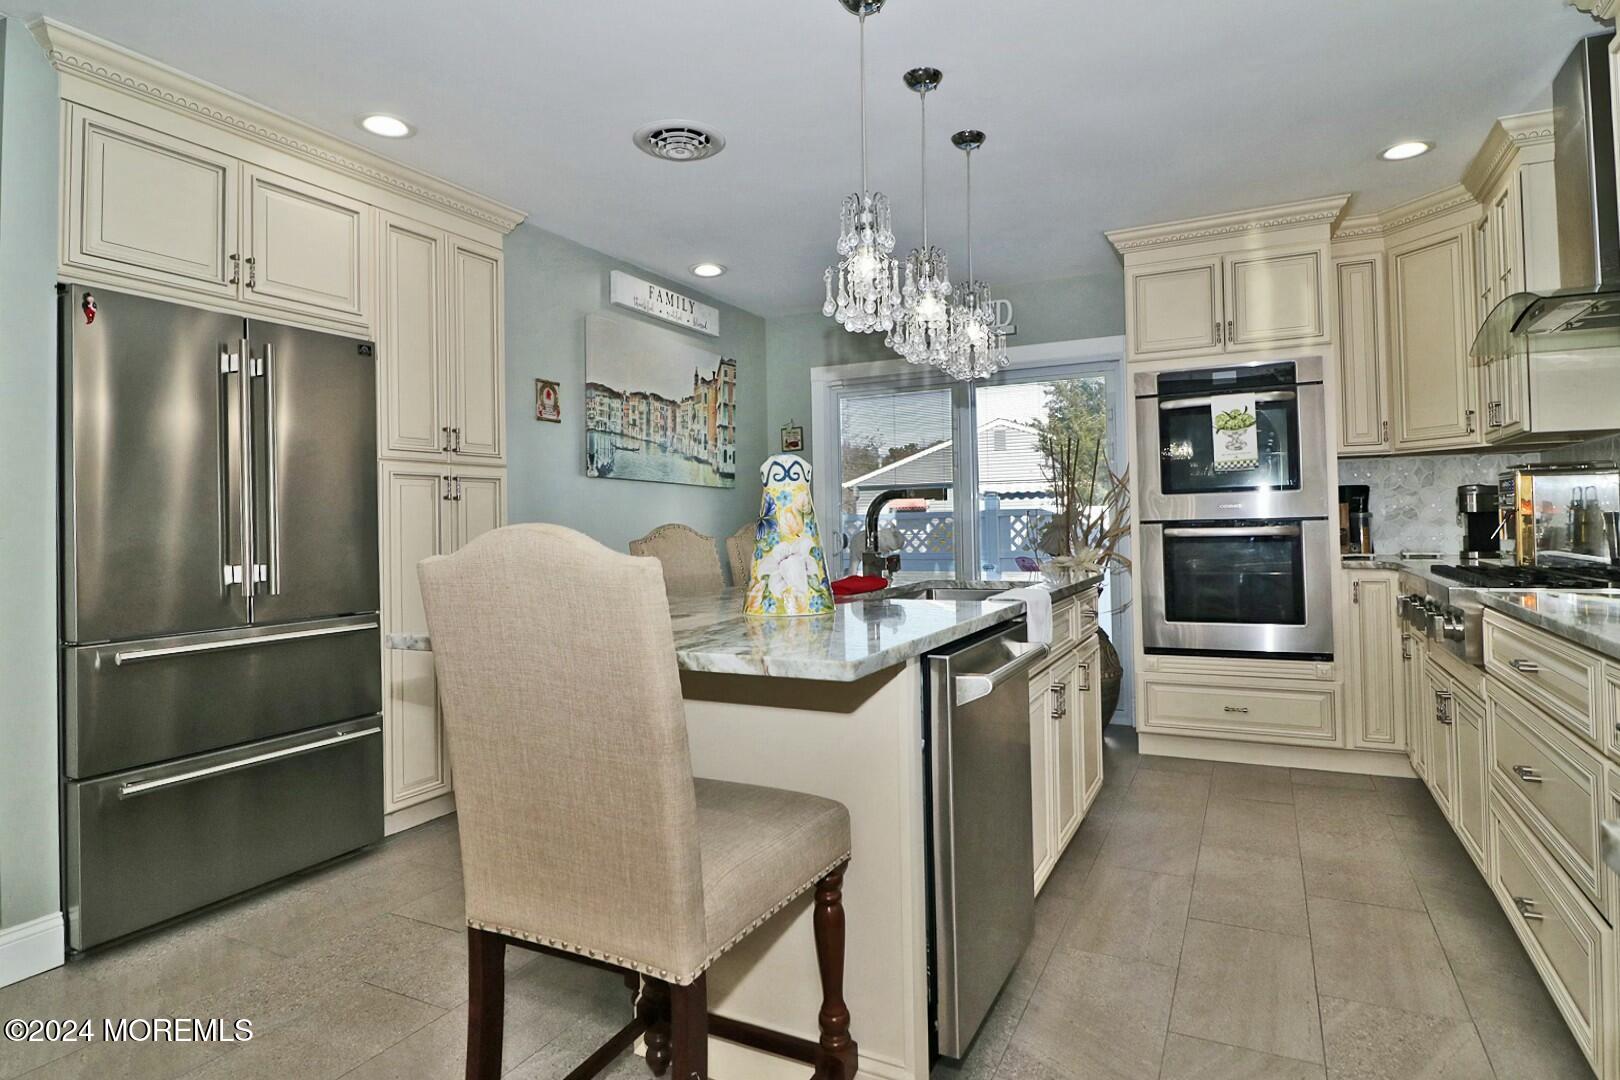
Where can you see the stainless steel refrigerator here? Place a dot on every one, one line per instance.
(221, 669)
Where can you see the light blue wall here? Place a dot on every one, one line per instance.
(28, 765)
(551, 285)
(1062, 309)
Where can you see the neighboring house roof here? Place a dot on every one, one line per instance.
(1009, 460)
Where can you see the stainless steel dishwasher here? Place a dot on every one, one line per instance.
(982, 856)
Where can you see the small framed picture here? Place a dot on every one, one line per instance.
(792, 438)
(547, 401)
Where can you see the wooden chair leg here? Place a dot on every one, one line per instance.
(653, 1008)
(486, 1004)
(689, 1029)
(837, 1057)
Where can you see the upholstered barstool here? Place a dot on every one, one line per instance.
(740, 553)
(583, 832)
(690, 561)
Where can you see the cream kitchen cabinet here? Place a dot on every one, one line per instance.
(426, 511)
(1470, 805)
(147, 208)
(440, 338)
(1088, 714)
(1373, 679)
(306, 249)
(146, 205)
(1261, 299)
(1042, 765)
(1363, 346)
(1436, 392)
(1065, 730)
(1440, 726)
(1415, 693)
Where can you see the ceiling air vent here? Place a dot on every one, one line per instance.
(679, 140)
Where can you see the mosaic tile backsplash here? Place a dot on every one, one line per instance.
(1414, 499)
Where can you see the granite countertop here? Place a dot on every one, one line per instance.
(1589, 619)
(863, 635)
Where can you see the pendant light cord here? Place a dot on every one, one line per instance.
(864, 187)
(924, 97)
(970, 217)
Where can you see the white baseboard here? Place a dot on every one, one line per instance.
(32, 947)
(1327, 759)
(422, 812)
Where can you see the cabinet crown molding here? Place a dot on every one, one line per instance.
(1598, 9)
(1324, 211)
(78, 55)
(1507, 136)
(1433, 205)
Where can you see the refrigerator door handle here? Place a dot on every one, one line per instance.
(135, 656)
(271, 569)
(249, 567)
(141, 787)
(234, 569)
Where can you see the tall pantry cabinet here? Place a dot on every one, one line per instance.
(175, 189)
(442, 436)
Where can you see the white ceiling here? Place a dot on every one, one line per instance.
(1099, 114)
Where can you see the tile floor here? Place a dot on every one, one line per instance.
(1208, 921)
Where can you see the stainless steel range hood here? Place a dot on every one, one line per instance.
(1585, 311)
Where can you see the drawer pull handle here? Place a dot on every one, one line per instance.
(1524, 667)
(1236, 708)
(141, 787)
(1527, 908)
(1527, 774)
(138, 655)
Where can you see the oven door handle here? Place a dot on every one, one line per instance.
(1232, 530)
(1171, 404)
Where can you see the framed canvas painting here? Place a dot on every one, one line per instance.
(658, 406)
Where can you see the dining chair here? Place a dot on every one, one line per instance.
(740, 553)
(584, 834)
(690, 560)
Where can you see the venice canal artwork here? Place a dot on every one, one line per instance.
(657, 406)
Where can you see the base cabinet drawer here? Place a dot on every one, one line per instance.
(1566, 681)
(1238, 709)
(1554, 783)
(1570, 946)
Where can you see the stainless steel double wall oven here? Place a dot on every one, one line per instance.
(1237, 545)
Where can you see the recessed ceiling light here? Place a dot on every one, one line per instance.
(708, 269)
(389, 127)
(1401, 151)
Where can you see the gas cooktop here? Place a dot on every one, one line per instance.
(1486, 576)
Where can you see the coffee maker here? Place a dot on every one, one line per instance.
(1482, 525)
(1355, 520)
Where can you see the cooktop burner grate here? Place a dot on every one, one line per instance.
(1532, 577)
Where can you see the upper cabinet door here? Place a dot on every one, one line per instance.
(1274, 298)
(1174, 309)
(1363, 417)
(150, 206)
(411, 340)
(305, 248)
(1435, 386)
(477, 375)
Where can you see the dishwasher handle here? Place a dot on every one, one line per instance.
(970, 688)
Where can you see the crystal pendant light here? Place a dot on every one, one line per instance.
(863, 289)
(976, 349)
(922, 325)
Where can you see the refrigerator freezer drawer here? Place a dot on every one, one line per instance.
(147, 845)
(136, 703)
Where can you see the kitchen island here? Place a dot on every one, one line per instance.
(833, 705)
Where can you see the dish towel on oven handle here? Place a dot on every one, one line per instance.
(1233, 430)
(1037, 601)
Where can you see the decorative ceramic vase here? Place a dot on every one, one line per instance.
(789, 574)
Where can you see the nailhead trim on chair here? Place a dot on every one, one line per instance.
(647, 969)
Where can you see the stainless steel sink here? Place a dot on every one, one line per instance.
(943, 592)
